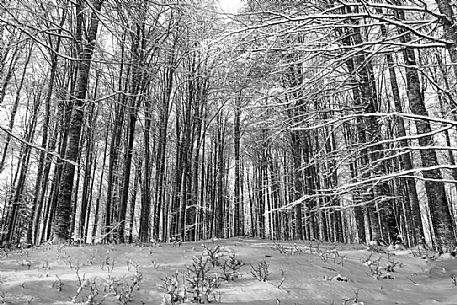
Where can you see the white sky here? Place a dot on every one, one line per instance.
(230, 6)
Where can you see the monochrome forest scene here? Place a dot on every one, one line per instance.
(252, 152)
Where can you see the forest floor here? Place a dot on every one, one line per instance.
(299, 273)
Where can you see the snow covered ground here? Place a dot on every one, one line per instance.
(299, 273)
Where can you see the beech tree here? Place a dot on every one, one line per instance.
(62, 220)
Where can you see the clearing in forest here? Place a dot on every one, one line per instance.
(234, 271)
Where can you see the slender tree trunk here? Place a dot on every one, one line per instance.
(89, 160)
(15, 108)
(90, 164)
(294, 78)
(127, 169)
(4, 50)
(44, 162)
(75, 191)
(97, 201)
(136, 183)
(439, 210)
(365, 97)
(116, 136)
(165, 100)
(237, 195)
(185, 156)
(220, 211)
(298, 184)
(196, 199)
(18, 199)
(406, 160)
(442, 221)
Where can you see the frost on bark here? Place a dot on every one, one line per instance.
(62, 218)
(450, 29)
(438, 204)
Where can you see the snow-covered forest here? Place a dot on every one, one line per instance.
(126, 121)
(280, 152)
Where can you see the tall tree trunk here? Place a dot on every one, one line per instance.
(136, 183)
(196, 199)
(161, 150)
(134, 104)
(59, 140)
(442, 221)
(116, 136)
(97, 201)
(220, 211)
(62, 219)
(365, 97)
(165, 100)
(88, 164)
(185, 215)
(18, 199)
(406, 161)
(239, 210)
(15, 108)
(5, 48)
(145, 212)
(44, 162)
(298, 184)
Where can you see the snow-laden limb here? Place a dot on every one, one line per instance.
(342, 119)
(339, 191)
(37, 147)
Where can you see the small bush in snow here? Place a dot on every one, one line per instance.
(260, 271)
(230, 267)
